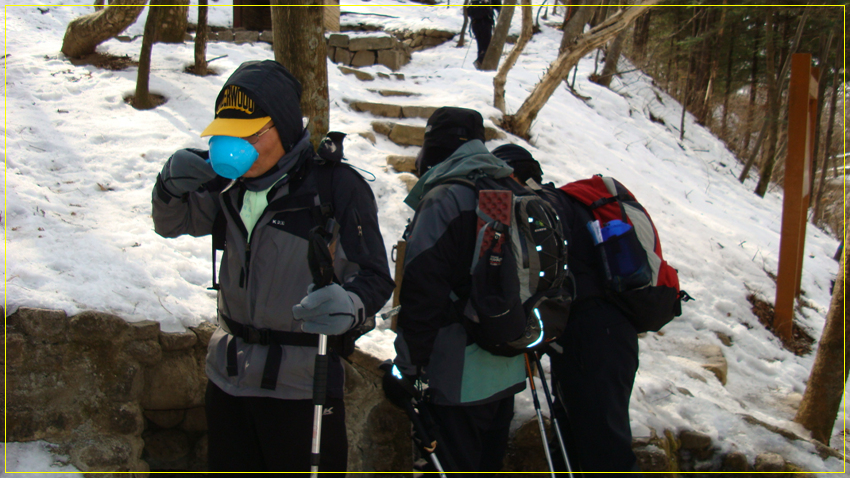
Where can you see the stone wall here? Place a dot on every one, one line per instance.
(359, 51)
(127, 397)
(391, 50)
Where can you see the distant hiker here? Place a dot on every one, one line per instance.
(481, 16)
(470, 392)
(263, 183)
(595, 360)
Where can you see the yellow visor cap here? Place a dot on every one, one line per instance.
(235, 127)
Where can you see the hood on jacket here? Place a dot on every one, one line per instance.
(471, 161)
(275, 91)
(290, 162)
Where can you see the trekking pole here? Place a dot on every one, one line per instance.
(539, 416)
(431, 446)
(427, 443)
(320, 381)
(467, 47)
(320, 261)
(552, 413)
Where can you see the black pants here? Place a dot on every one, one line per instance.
(268, 434)
(474, 437)
(592, 382)
(483, 31)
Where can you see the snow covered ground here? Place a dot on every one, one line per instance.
(80, 164)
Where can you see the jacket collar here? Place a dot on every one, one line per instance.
(284, 166)
(470, 161)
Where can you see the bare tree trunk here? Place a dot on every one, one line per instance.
(822, 398)
(298, 30)
(611, 59)
(641, 37)
(569, 9)
(685, 99)
(711, 58)
(142, 100)
(782, 80)
(520, 124)
(826, 45)
(500, 35)
(600, 14)
(836, 90)
(754, 83)
(173, 20)
(772, 102)
(200, 67)
(671, 58)
(724, 133)
(575, 26)
(461, 41)
(502, 76)
(85, 33)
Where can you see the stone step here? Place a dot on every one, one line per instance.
(409, 135)
(393, 92)
(399, 133)
(409, 180)
(402, 164)
(393, 111)
(366, 76)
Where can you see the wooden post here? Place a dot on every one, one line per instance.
(331, 15)
(237, 13)
(802, 114)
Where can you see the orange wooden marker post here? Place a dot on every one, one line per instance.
(802, 114)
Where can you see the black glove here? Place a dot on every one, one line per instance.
(398, 388)
(184, 172)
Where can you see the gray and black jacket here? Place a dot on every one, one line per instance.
(432, 338)
(261, 279)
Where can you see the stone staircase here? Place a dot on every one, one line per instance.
(399, 132)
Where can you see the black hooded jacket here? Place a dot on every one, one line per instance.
(264, 271)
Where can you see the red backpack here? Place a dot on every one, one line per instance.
(639, 279)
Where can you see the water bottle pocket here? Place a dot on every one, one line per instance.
(628, 266)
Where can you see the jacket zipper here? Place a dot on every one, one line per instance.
(359, 227)
(243, 275)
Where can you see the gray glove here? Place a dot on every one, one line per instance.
(184, 172)
(330, 310)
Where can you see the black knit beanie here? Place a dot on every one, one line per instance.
(524, 164)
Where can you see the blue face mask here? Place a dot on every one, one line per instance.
(231, 157)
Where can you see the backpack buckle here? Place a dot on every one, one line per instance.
(254, 335)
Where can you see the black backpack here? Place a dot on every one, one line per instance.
(521, 289)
